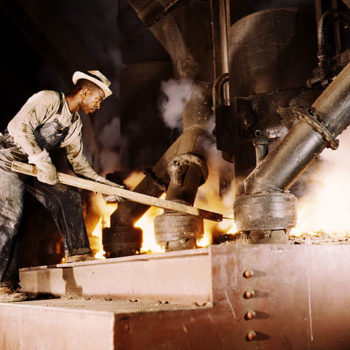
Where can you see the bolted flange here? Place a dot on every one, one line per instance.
(265, 212)
(121, 241)
(177, 231)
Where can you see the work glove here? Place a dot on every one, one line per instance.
(112, 198)
(46, 171)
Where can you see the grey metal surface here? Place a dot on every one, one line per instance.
(122, 240)
(303, 143)
(176, 231)
(281, 57)
(266, 72)
(265, 211)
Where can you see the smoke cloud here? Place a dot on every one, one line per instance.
(325, 205)
(176, 94)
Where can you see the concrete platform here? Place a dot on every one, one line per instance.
(62, 324)
(262, 297)
(177, 277)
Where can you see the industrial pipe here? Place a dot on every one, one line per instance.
(317, 128)
(179, 26)
(321, 73)
(266, 211)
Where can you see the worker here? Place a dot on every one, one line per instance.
(47, 121)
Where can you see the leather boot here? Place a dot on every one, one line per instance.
(10, 295)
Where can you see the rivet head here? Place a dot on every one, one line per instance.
(248, 273)
(249, 294)
(250, 314)
(251, 336)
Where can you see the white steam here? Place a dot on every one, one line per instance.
(326, 205)
(177, 93)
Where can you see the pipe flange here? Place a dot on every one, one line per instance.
(178, 230)
(122, 240)
(178, 166)
(156, 180)
(265, 211)
(315, 122)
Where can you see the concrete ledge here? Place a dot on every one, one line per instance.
(63, 324)
(26, 327)
(298, 297)
(178, 277)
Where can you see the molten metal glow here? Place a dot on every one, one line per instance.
(210, 198)
(106, 210)
(324, 206)
(146, 223)
(98, 233)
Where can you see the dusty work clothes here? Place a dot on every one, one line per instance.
(43, 123)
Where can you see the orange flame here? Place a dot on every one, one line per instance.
(105, 211)
(208, 198)
(146, 223)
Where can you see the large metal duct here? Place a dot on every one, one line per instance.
(271, 55)
(183, 28)
(266, 206)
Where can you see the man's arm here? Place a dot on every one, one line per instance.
(80, 164)
(82, 167)
(34, 113)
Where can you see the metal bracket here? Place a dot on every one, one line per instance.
(178, 166)
(315, 122)
(156, 180)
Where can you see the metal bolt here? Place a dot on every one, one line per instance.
(249, 294)
(250, 314)
(251, 336)
(248, 273)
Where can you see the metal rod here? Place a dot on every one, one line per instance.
(74, 181)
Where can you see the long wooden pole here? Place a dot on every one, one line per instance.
(94, 186)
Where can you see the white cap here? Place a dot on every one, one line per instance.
(97, 78)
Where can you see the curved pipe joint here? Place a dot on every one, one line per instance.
(318, 128)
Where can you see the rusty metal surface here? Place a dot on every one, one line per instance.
(264, 297)
(279, 297)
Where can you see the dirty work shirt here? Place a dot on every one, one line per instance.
(44, 122)
(42, 115)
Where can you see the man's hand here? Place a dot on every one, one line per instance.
(113, 198)
(46, 171)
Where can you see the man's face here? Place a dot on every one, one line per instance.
(91, 100)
